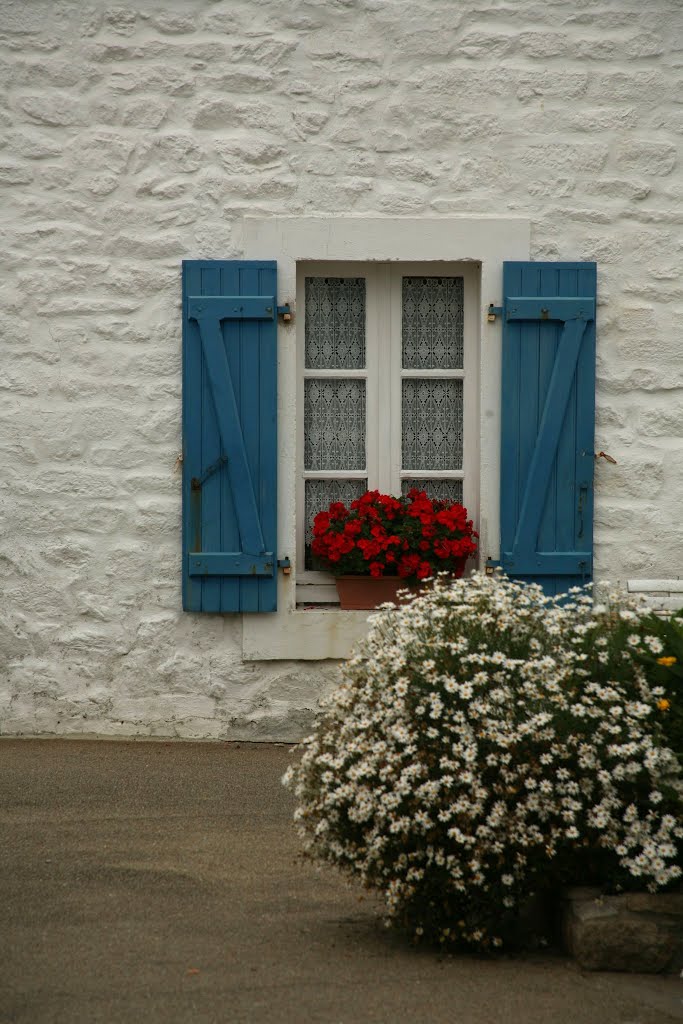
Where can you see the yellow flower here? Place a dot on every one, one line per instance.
(663, 704)
(668, 661)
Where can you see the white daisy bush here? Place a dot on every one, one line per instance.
(488, 742)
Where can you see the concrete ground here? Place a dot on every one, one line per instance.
(159, 882)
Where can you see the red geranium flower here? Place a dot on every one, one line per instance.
(412, 536)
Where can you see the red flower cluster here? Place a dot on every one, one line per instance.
(411, 537)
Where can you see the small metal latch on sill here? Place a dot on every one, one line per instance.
(285, 565)
(493, 312)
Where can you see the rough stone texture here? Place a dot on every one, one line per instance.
(134, 135)
(632, 932)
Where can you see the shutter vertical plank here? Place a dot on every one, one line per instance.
(231, 587)
(192, 441)
(566, 492)
(530, 409)
(268, 448)
(550, 333)
(250, 358)
(211, 452)
(510, 412)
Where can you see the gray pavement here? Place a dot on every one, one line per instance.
(160, 882)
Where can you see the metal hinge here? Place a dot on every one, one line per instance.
(197, 481)
(493, 312)
(285, 312)
(285, 565)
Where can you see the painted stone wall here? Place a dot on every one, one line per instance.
(132, 136)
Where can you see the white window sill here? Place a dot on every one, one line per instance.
(311, 634)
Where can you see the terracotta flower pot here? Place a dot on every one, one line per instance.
(364, 592)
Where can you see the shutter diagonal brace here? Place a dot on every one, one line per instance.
(229, 426)
(548, 437)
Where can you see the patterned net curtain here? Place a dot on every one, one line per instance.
(432, 338)
(432, 323)
(334, 409)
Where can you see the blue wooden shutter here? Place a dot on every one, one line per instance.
(229, 436)
(548, 416)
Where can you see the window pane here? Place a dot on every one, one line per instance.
(334, 424)
(432, 323)
(432, 424)
(335, 323)
(319, 495)
(445, 490)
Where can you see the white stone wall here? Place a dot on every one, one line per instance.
(134, 135)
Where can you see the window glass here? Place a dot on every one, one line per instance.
(432, 323)
(334, 424)
(432, 423)
(335, 323)
(445, 490)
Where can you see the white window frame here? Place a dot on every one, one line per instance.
(383, 349)
(289, 633)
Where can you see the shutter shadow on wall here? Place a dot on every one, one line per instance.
(229, 436)
(548, 419)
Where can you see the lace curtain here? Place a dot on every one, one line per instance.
(432, 323)
(335, 323)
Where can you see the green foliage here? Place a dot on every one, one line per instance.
(666, 674)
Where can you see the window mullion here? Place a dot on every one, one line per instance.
(393, 383)
(378, 476)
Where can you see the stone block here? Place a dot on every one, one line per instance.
(629, 86)
(666, 421)
(602, 249)
(217, 113)
(594, 49)
(242, 80)
(145, 113)
(646, 157)
(344, 47)
(120, 20)
(604, 119)
(310, 122)
(532, 84)
(172, 80)
(56, 109)
(644, 44)
(40, 74)
(14, 173)
(173, 23)
(619, 188)
(632, 932)
(414, 169)
(101, 151)
(490, 45)
(578, 158)
(32, 145)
